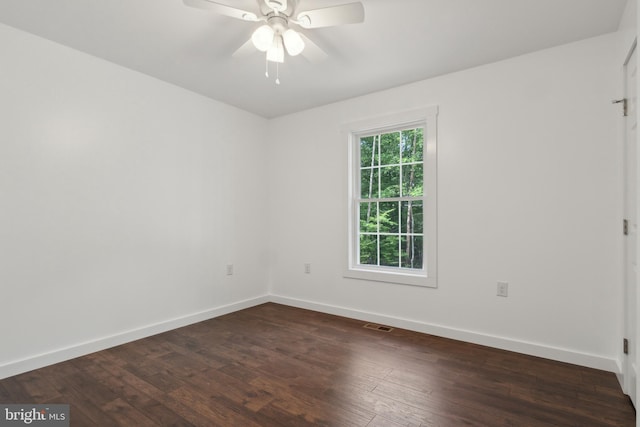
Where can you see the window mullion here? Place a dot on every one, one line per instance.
(400, 165)
(378, 232)
(379, 167)
(391, 199)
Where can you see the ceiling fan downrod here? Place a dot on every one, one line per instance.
(277, 5)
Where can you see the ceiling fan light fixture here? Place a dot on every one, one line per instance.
(276, 51)
(274, 37)
(293, 42)
(263, 38)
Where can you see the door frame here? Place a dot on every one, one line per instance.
(627, 369)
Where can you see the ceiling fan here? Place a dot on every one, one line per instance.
(275, 35)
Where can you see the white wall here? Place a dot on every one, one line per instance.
(529, 192)
(122, 199)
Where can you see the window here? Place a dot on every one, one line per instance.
(392, 196)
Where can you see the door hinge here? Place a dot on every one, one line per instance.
(624, 103)
(625, 346)
(625, 227)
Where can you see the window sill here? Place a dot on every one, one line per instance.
(400, 278)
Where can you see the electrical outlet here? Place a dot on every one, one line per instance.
(307, 268)
(503, 289)
(229, 269)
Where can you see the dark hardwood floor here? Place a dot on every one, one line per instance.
(274, 365)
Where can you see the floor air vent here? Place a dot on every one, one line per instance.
(378, 327)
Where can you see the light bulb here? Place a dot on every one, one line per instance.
(262, 38)
(276, 51)
(293, 42)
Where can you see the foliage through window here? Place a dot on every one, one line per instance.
(390, 207)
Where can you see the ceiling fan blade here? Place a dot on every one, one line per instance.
(245, 50)
(350, 13)
(312, 51)
(222, 9)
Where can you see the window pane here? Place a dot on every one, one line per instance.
(369, 151)
(390, 148)
(390, 181)
(412, 217)
(389, 251)
(412, 144)
(369, 183)
(412, 251)
(369, 217)
(389, 217)
(412, 180)
(368, 249)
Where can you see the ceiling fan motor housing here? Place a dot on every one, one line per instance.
(279, 23)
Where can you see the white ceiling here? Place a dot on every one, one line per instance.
(401, 41)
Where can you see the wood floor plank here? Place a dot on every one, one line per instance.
(217, 411)
(125, 414)
(39, 387)
(161, 415)
(14, 390)
(274, 365)
(308, 405)
(379, 421)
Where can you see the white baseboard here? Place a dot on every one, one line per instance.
(532, 349)
(60, 355)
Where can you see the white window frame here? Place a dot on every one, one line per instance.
(351, 132)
